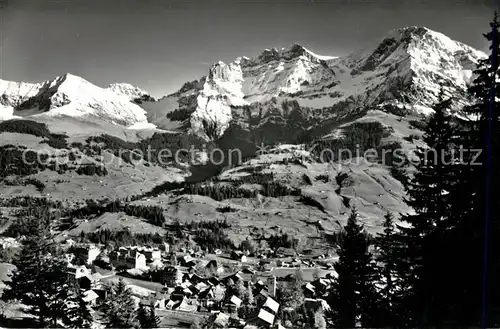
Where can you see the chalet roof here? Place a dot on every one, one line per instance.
(266, 316)
(318, 302)
(90, 295)
(236, 301)
(201, 286)
(185, 306)
(214, 281)
(263, 292)
(309, 286)
(272, 304)
(206, 293)
(324, 282)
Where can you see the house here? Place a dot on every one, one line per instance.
(316, 304)
(69, 258)
(236, 301)
(70, 242)
(215, 267)
(236, 277)
(200, 286)
(206, 297)
(80, 275)
(140, 261)
(261, 297)
(310, 289)
(286, 252)
(90, 297)
(214, 281)
(78, 271)
(282, 263)
(85, 282)
(186, 305)
(195, 278)
(165, 248)
(188, 261)
(157, 264)
(86, 254)
(212, 264)
(271, 286)
(219, 293)
(264, 319)
(100, 289)
(236, 254)
(246, 268)
(159, 302)
(152, 254)
(170, 304)
(272, 305)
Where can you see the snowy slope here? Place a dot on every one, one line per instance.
(68, 95)
(131, 92)
(245, 81)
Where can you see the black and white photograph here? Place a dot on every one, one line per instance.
(257, 164)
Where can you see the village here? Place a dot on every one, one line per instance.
(235, 289)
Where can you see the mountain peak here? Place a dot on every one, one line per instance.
(293, 51)
(414, 29)
(70, 77)
(128, 90)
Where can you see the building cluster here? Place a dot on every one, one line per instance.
(186, 283)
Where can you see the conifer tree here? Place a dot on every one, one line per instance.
(388, 248)
(353, 294)
(143, 316)
(76, 311)
(476, 198)
(319, 320)
(40, 279)
(119, 308)
(421, 259)
(154, 320)
(250, 299)
(291, 294)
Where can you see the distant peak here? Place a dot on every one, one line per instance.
(416, 31)
(293, 51)
(128, 90)
(69, 77)
(414, 28)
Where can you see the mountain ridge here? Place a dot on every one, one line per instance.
(404, 69)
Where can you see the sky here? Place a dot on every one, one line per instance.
(160, 44)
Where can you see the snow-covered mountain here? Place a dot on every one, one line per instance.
(405, 68)
(133, 93)
(285, 96)
(70, 95)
